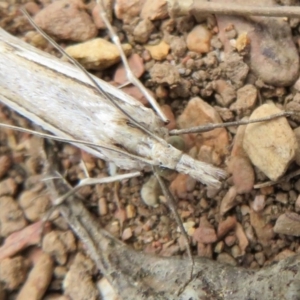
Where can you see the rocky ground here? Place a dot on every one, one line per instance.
(201, 69)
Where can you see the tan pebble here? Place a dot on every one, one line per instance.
(130, 211)
(205, 235)
(242, 41)
(136, 65)
(60, 272)
(181, 185)
(36, 39)
(142, 31)
(226, 258)
(236, 251)
(198, 113)
(204, 250)
(97, 54)
(120, 214)
(8, 187)
(225, 226)
(106, 290)
(165, 73)
(259, 203)
(41, 272)
(219, 247)
(230, 240)
(13, 272)
(127, 10)
(242, 238)
(127, 234)
(250, 233)
(155, 10)
(103, 209)
(32, 8)
(161, 92)
(167, 110)
(150, 192)
(283, 255)
(226, 91)
(267, 190)
(271, 145)
(297, 134)
(66, 20)
(245, 209)
(288, 223)
(260, 258)
(246, 98)
(5, 163)
(228, 201)
(189, 227)
(282, 198)
(11, 216)
(34, 204)
(198, 40)
(160, 51)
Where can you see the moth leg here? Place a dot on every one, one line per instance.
(130, 76)
(211, 126)
(172, 207)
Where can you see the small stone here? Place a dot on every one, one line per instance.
(282, 198)
(130, 211)
(226, 258)
(288, 223)
(246, 98)
(66, 20)
(225, 226)
(160, 51)
(136, 65)
(167, 110)
(181, 185)
(204, 250)
(8, 187)
(150, 191)
(165, 73)
(126, 234)
(96, 14)
(106, 291)
(198, 40)
(178, 46)
(136, 93)
(271, 145)
(230, 240)
(142, 31)
(228, 201)
(103, 208)
(236, 251)
(189, 227)
(226, 92)
(127, 10)
(242, 238)
(97, 54)
(259, 203)
(260, 258)
(32, 8)
(297, 134)
(205, 235)
(5, 163)
(283, 255)
(155, 10)
(219, 247)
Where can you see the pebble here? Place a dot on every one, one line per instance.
(181, 185)
(32, 8)
(246, 98)
(226, 258)
(178, 46)
(151, 191)
(142, 31)
(266, 37)
(239, 164)
(5, 164)
(259, 203)
(136, 93)
(205, 233)
(236, 251)
(242, 238)
(106, 290)
(228, 201)
(154, 10)
(219, 247)
(226, 94)
(165, 73)
(130, 211)
(198, 40)
(97, 17)
(127, 234)
(226, 225)
(204, 250)
(282, 198)
(167, 110)
(127, 10)
(97, 54)
(196, 113)
(271, 145)
(8, 187)
(136, 65)
(288, 223)
(160, 51)
(11, 216)
(297, 156)
(260, 258)
(67, 20)
(230, 240)
(102, 206)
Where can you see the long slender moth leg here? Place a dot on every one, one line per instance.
(130, 76)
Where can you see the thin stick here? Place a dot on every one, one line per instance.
(178, 7)
(211, 126)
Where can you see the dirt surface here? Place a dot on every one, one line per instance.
(180, 61)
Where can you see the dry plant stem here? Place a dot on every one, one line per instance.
(135, 275)
(211, 126)
(130, 75)
(180, 8)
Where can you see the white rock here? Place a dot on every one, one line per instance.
(270, 145)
